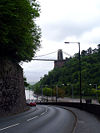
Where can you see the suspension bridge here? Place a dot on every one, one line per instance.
(57, 62)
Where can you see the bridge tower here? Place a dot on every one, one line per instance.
(60, 61)
(60, 54)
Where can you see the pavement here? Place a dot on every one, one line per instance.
(67, 99)
(86, 122)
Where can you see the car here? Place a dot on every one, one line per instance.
(31, 103)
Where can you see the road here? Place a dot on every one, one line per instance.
(40, 119)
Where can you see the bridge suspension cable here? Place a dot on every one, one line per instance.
(44, 59)
(48, 59)
(66, 54)
(45, 54)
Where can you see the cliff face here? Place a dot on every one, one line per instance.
(12, 92)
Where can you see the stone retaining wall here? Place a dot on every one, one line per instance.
(12, 92)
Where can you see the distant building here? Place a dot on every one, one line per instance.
(59, 62)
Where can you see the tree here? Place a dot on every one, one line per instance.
(98, 46)
(89, 51)
(25, 82)
(19, 34)
(84, 53)
(47, 91)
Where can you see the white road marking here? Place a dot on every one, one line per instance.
(38, 116)
(42, 114)
(32, 118)
(46, 110)
(9, 126)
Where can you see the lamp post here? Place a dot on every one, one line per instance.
(41, 87)
(79, 69)
(71, 89)
(56, 93)
(72, 92)
(42, 94)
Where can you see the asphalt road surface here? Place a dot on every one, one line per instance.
(40, 119)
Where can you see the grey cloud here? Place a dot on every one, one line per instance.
(33, 76)
(60, 30)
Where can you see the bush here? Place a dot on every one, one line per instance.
(99, 99)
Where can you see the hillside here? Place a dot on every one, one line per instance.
(68, 76)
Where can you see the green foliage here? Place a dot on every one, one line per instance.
(99, 99)
(61, 92)
(19, 34)
(47, 91)
(25, 82)
(96, 93)
(37, 88)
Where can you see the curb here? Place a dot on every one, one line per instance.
(76, 119)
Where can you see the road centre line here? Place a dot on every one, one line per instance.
(42, 113)
(46, 110)
(38, 115)
(9, 126)
(32, 118)
(27, 120)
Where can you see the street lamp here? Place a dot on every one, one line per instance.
(79, 69)
(72, 90)
(56, 93)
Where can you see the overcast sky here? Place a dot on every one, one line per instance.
(60, 21)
